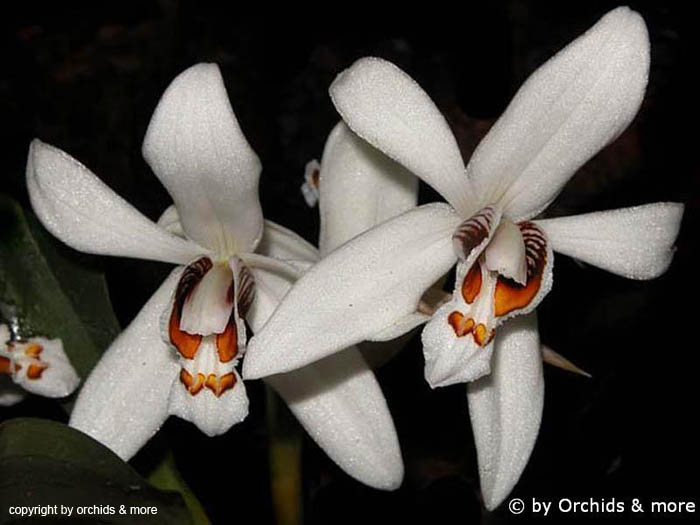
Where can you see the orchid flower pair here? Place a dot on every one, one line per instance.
(179, 355)
(36, 365)
(486, 335)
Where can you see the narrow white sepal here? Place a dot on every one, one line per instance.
(363, 287)
(360, 188)
(338, 392)
(570, 108)
(635, 242)
(124, 401)
(506, 408)
(388, 109)
(83, 212)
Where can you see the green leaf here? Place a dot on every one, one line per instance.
(49, 290)
(45, 463)
(166, 476)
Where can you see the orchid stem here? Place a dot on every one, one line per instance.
(285, 461)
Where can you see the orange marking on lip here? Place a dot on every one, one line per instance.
(461, 326)
(5, 365)
(481, 336)
(511, 296)
(193, 387)
(219, 385)
(35, 370)
(186, 343)
(33, 350)
(316, 178)
(472, 283)
(227, 341)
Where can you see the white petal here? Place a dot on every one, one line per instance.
(78, 208)
(386, 107)
(506, 408)
(361, 288)
(282, 243)
(338, 392)
(58, 379)
(569, 109)
(125, 399)
(196, 148)
(635, 242)
(400, 327)
(359, 188)
(212, 415)
(4, 334)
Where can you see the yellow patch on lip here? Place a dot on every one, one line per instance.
(33, 350)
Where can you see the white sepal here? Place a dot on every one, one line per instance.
(363, 287)
(196, 148)
(124, 400)
(506, 408)
(388, 109)
(635, 242)
(82, 211)
(570, 108)
(360, 188)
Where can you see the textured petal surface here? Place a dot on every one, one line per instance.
(363, 287)
(506, 408)
(635, 242)
(213, 415)
(359, 188)
(58, 379)
(571, 107)
(338, 401)
(282, 243)
(82, 211)
(196, 148)
(386, 107)
(125, 399)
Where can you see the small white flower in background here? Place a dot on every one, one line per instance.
(569, 109)
(309, 189)
(179, 355)
(37, 365)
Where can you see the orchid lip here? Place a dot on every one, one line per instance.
(205, 323)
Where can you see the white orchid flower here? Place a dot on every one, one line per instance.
(37, 365)
(569, 109)
(179, 355)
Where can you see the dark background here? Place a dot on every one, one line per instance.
(86, 78)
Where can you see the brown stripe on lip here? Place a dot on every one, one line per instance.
(509, 295)
(472, 232)
(5, 365)
(186, 343)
